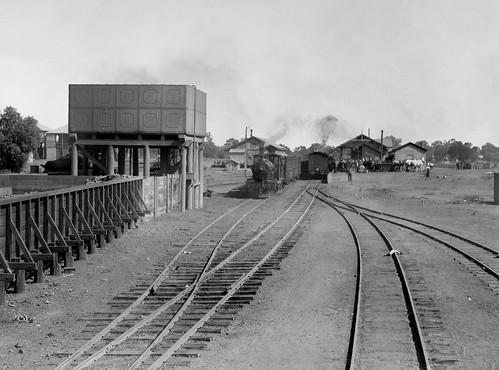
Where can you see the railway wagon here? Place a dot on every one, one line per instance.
(318, 165)
(292, 167)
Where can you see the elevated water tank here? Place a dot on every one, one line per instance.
(137, 109)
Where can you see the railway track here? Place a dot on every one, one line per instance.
(441, 349)
(168, 320)
(478, 258)
(385, 331)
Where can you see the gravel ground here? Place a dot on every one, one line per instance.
(55, 310)
(277, 330)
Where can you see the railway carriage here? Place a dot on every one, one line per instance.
(318, 165)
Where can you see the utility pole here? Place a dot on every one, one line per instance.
(245, 146)
(381, 148)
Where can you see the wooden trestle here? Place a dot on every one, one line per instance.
(47, 231)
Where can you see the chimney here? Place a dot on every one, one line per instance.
(251, 132)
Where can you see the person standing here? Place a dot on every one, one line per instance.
(349, 173)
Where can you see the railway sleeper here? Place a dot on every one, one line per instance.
(176, 331)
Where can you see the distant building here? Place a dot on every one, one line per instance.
(361, 147)
(248, 150)
(55, 143)
(231, 165)
(408, 151)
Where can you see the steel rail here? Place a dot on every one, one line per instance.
(463, 238)
(149, 290)
(207, 274)
(416, 328)
(468, 256)
(146, 320)
(231, 291)
(352, 346)
(153, 287)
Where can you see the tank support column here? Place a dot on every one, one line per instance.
(201, 175)
(163, 160)
(110, 160)
(190, 188)
(74, 160)
(195, 180)
(135, 161)
(183, 181)
(147, 160)
(121, 160)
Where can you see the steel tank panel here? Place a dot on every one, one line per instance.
(200, 124)
(150, 96)
(200, 101)
(172, 121)
(127, 96)
(159, 109)
(104, 120)
(189, 121)
(80, 96)
(127, 120)
(80, 120)
(104, 96)
(174, 96)
(149, 120)
(190, 98)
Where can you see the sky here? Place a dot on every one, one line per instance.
(295, 72)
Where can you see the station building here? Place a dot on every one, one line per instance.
(408, 151)
(361, 147)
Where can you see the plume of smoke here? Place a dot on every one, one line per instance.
(325, 127)
(282, 125)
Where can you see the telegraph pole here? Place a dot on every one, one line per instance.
(381, 148)
(245, 146)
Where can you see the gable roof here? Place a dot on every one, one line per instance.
(407, 144)
(366, 140)
(265, 143)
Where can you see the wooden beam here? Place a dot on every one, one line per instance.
(4, 264)
(92, 158)
(38, 234)
(123, 142)
(115, 210)
(70, 223)
(138, 199)
(17, 238)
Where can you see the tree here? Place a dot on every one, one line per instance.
(18, 136)
(210, 149)
(437, 152)
(287, 149)
(300, 149)
(422, 144)
(229, 143)
(490, 152)
(395, 141)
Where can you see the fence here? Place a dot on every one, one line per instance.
(162, 194)
(47, 230)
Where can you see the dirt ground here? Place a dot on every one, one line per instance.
(276, 331)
